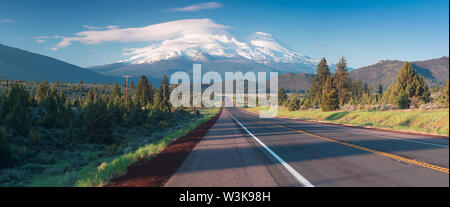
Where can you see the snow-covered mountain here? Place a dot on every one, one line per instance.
(200, 47)
(216, 49)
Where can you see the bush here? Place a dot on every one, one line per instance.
(402, 101)
(5, 150)
(293, 104)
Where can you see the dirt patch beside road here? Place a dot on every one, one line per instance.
(156, 171)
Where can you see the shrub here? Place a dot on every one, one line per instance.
(5, 150)
(402, 101)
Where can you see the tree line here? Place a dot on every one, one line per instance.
(46, 118)
(329, 91)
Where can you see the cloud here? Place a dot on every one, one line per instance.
(151, 33)
(6, 21)
(99, 28)
(41, 39)
(198, 7)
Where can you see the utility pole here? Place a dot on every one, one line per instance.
(126, 89)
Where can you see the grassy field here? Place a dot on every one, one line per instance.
(430, 122)
(99, 171)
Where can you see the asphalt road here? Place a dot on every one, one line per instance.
(243, 150)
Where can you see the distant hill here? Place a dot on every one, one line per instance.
(435, 71)
(16, 64)
(295, 83)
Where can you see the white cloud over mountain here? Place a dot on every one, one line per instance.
(155, 32)
(195, 39)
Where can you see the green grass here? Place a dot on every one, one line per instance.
(431, 122)
(92, 175)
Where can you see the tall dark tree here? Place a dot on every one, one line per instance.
(410, 84)
(144, 92)
(15, 110)
(282, 96)
(97, 122)
(42, 91)
(116, 92)
(165, 93)
(443, 98)
(293, 104)
(342, 81)
(380, 89)
(330, 99)
(318, 82)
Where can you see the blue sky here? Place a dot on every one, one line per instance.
(362, 31)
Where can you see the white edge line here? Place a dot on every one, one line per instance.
(302, 180)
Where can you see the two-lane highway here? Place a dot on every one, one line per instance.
(243, 150)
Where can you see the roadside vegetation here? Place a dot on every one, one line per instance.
(431, 122)
(62, 134)
(408, 104)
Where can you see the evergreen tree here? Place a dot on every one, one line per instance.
(366, 88)
(165, 93)
(408, 83)
(92, 97)
(330, 99)
(97, 122)
(380, 90)
(443, 98)
(282, 97)
(293, 103)
(116, 92)
(318, 82)
(157, 101)
(342, 81)
(41, 91)
(15, 111)
(144, 92)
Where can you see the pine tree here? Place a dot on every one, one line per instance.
(97, 121)
(443, 98)
(293, 104)
(15, 110)
(116, 91)
(380, 90)
(282, 97)
(409, 84)
(318, 82)
(165, 94)
(144, 92)
(157, 101)
(342, 81)
(330, 99)
(41, 92)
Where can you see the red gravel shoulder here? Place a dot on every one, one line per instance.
(156, 171)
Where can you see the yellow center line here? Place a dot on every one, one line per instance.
(385, 154)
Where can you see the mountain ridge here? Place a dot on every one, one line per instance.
(435, 72)
(17, 64)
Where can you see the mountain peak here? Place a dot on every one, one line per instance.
(197, 46)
